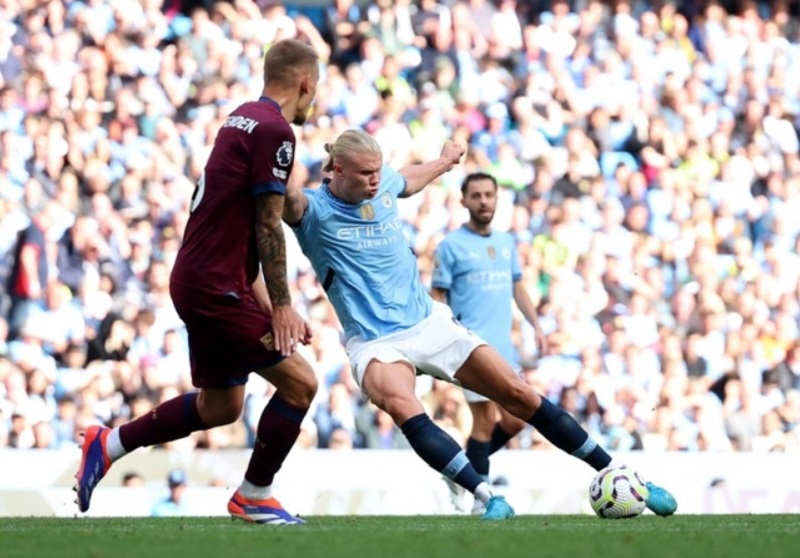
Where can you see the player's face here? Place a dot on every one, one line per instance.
(308, 90)
(480, 199)
(361, 176)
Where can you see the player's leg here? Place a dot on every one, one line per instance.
(506, 428)
(278, 429)
(391, 387)
(486, 372)
(172, 420)
(492, 428)
(484, 418)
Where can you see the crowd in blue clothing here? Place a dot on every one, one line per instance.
(648, 158)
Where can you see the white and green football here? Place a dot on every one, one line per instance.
(618, 493)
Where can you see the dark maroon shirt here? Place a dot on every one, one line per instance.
(253, 155)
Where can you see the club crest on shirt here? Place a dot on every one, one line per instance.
(367, 211)
(386, 200)
(285, 154)
(491, 251)
(506, 254)
(268, 341)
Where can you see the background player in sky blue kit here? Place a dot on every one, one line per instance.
(350, 230)
(477, 273)
(235, 233)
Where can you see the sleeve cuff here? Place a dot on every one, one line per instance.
(271, 187)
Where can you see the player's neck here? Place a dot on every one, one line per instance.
(339, 193)
(286, 102)
(479, 228)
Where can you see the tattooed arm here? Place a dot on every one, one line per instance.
(272, 247)
(288, 327)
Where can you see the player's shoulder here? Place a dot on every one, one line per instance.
(317, 199)
(452, 239)
(260, 115)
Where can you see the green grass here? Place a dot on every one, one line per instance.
(648, 536)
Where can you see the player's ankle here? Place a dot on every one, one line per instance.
(113, 446)
(483, 492)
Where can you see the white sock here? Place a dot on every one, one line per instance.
(253, 492)
(114, 449)
(483, 492)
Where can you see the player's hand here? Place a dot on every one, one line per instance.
(452, 152)
(288, 329)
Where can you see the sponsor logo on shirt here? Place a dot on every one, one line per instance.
(373, 236)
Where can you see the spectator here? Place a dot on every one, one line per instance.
(650, 159)
(173, 505)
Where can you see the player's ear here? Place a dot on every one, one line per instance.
(304, 88)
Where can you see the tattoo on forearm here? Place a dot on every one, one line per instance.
(272, 247)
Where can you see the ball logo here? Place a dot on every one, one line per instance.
(386, 200)
(285, 154)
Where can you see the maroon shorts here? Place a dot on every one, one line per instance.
(228, 337)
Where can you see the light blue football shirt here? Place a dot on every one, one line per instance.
(479, 273)
(363, 260)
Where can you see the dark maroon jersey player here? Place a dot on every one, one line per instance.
(253, 155)
(238, 320)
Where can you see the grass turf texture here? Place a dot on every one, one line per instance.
(419, 537)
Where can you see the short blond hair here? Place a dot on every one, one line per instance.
(285, 59)
(351, 143)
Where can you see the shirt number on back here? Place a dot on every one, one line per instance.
(199, 190)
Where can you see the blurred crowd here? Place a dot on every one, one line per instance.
(648, 158)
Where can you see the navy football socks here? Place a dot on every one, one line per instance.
(566, 434)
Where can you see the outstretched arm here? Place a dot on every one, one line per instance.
(295, 205)
(419, 176)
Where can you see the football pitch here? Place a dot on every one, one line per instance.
(533, 536)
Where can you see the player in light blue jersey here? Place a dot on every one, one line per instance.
(477, 273)
(350, 230)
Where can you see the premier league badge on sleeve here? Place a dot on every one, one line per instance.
(285, 154)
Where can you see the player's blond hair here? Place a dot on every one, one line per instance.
(286, 59)
(351, 143)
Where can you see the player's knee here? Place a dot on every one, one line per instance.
(521, 401)
(400, 407)
(219, 409)
(512, 424)
(306, 390)
(221, 415)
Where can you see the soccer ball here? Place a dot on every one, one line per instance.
(618, 493)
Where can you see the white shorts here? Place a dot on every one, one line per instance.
(437, 346)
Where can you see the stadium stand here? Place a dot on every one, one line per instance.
(648, 153)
